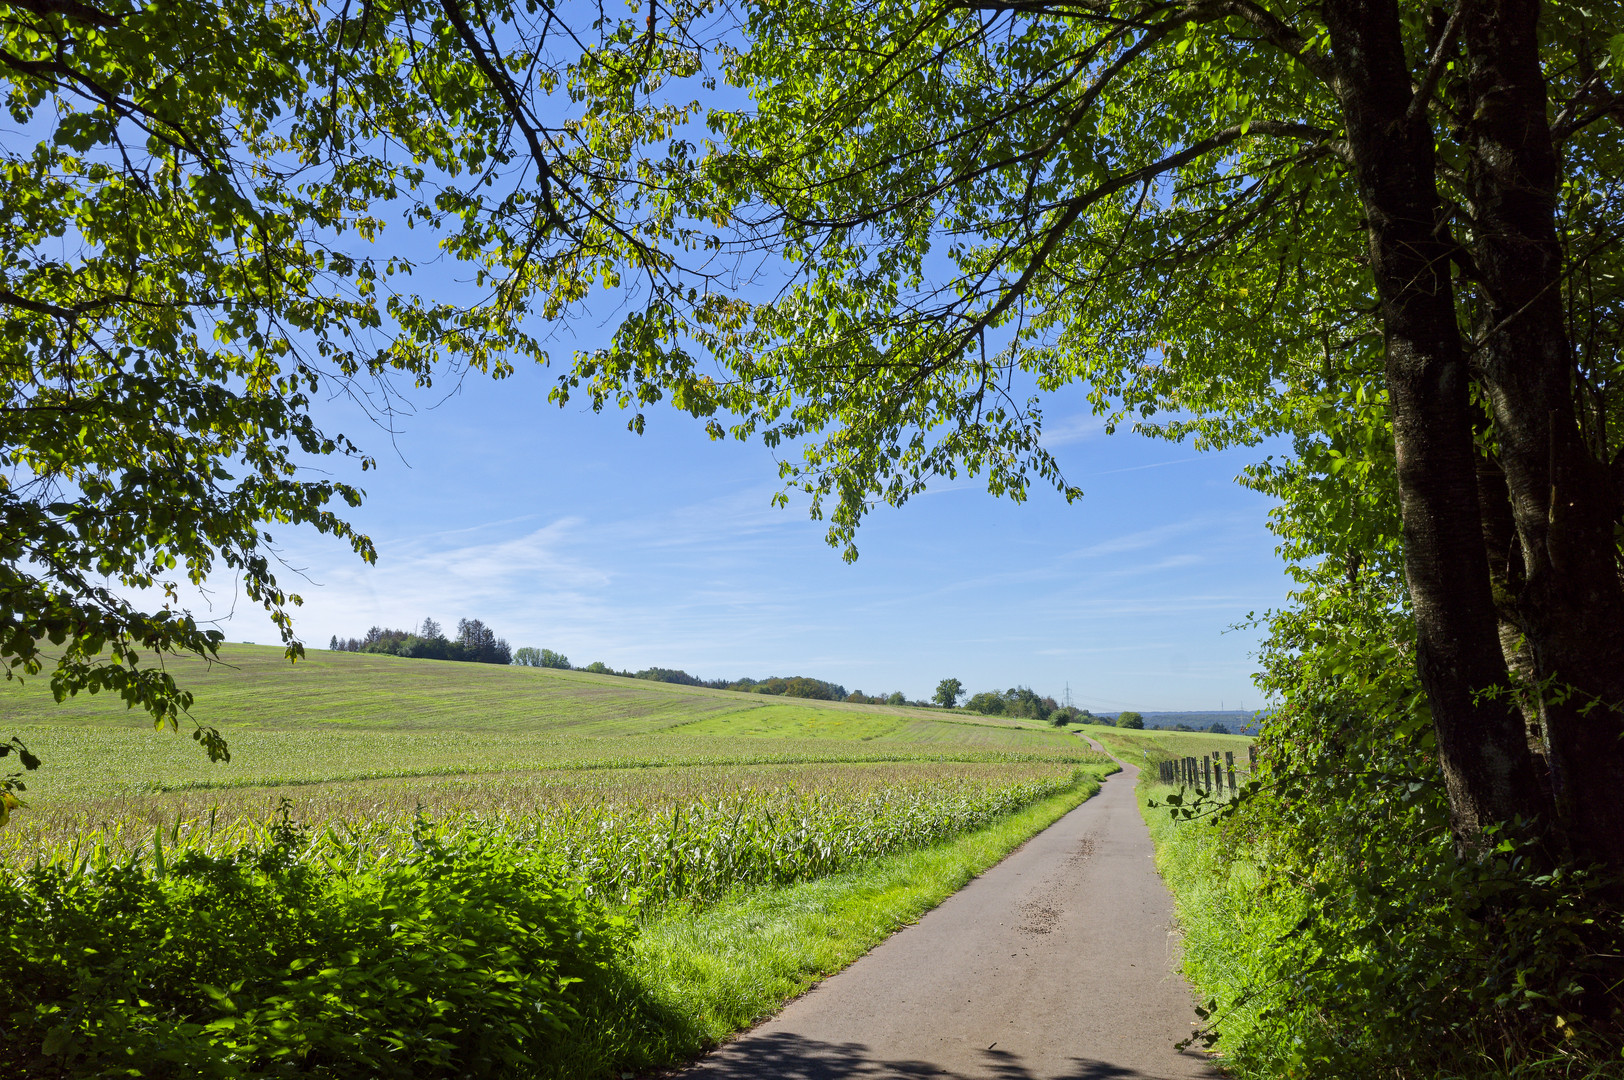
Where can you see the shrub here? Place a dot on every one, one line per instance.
(988, 703)
(463, 959)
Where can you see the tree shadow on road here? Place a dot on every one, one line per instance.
(785, 1056)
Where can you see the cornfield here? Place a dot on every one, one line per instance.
(644, 844)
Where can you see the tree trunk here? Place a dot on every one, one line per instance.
(1570, 603)
(1500, 544)
(1482, 748)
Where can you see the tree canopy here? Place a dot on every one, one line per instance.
(202, 206)
(1388, 231)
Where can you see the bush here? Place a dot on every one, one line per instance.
(988, 703)
(465, 959)
(1130, 719)
(1332, 923)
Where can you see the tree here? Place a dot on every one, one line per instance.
(1237, 214)
(478, 643)
(948, 692)
(896, 697)
(1130, 719)
(1218, 728)
(193, 199)
(547, 658)
(987, 703)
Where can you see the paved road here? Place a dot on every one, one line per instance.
(1056, 964)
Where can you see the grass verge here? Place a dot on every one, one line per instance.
(694, 976)
(1226, 927)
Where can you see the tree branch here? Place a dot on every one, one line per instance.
(1440, 59)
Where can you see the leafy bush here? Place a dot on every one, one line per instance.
(1332, 921)
(464, 958)
(987, 703)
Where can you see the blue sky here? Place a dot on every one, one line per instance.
(562, 530)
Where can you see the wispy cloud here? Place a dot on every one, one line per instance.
(1076, 428)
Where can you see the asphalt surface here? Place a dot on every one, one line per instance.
(1056, 964)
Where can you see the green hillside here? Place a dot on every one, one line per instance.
(1149, 747)
(354, 716)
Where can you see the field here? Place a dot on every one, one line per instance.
(557, 823)
(371, 742)
(349, 716)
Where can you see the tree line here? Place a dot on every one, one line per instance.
(474, 642)
(1019, 701)
(796, 686)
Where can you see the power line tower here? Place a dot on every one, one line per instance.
(1068, 695)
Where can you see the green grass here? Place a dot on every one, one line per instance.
(255, 687)
(764, 842)
(1147, 748)
(355, 717)
(695, 976)
(1227, 928)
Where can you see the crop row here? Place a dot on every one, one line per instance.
(647, 848)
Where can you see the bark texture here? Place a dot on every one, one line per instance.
(1567, 598)
(1480, 732)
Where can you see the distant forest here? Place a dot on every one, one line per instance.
(475, 643)
(478, 643)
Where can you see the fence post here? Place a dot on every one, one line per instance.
(1206, 772)
(1229, 760)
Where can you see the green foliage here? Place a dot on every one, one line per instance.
(532, 657)
(1017, 701)
(948, 692)
(474, 643)
(11, 783)
(987, 703)
(202, 204)
(460, 958)
(797, 686)
(1130, 719)
(710, 973)
(705, 849)
(1347, 934)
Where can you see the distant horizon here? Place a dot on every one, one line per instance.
(1110, 711)
(561, 530)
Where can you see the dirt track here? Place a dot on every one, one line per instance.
(1057, 964)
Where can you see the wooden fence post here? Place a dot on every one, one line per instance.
(1229, 761)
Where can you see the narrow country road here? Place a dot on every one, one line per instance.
(1056, 964)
